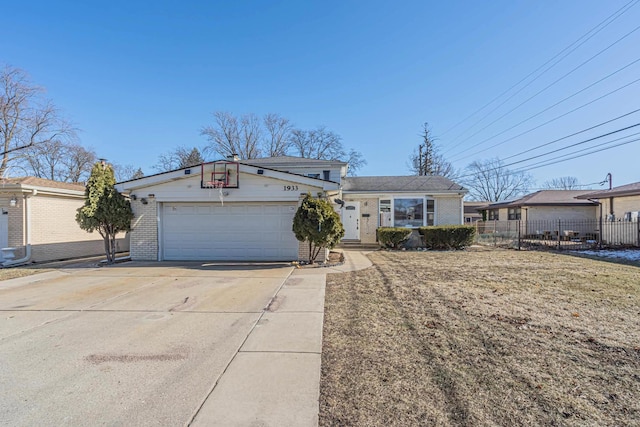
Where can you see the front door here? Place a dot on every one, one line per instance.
(351, 220)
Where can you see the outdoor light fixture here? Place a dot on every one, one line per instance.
(13, 202)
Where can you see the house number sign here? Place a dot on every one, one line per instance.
(290, 187)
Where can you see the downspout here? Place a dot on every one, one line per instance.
(27, 229)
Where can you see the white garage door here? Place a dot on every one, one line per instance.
(234, 232)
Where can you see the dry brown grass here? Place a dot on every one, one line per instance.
(15, 272)
(482, 337)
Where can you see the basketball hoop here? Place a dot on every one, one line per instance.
(219, 185)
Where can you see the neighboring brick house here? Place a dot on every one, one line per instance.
(183, 215)
(41, 213)
(545, 214)
(544, 205)
(619, 203)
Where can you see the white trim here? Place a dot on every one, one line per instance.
(129, 186)
(424, 198)
(379, 193)
(159, 233)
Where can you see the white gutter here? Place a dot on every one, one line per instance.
(27, 229)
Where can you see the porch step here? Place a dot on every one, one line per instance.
(357, 245)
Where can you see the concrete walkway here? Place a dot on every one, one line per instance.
(274, 378)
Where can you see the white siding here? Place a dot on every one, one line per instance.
(251, 188)
(334, 173)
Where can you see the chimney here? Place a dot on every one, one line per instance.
(233, 158)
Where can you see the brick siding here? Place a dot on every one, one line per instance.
(55, 234)
(448, 210)
(144, 231)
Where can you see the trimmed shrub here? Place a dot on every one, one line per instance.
(392, 237)
(448, 237)
(316, 223)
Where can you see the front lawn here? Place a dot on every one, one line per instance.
(482, 337)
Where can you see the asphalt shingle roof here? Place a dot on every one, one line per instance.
(41, 182)
(400, 183)
(623, 190)
(546, 198)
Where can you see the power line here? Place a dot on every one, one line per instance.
(553, 83)
(580, 143)
(567, 147)
(547, 109)
(582, 155)
(619, 13)
(573, 134)
(566, 114)
(576, 185)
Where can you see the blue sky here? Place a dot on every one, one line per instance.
(139, 78)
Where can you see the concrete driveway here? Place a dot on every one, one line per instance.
(161, 344)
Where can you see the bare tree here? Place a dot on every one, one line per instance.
(426, 160)
(230, 135)
(278, 131)
(355, 161)
(126, 172)
(244, 136)
(251, 136)
(26, 118)
(58, 161)
(43, 160)
(78, 163)
(319, 143)
(490, 181)
(562, 183)
(178, 158)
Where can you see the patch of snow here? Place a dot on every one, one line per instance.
(626, 254)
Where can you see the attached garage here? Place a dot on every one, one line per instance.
(219, 211)
(231, 232)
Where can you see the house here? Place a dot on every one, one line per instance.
(544, 205)
(243, 209)
(545, 215)
(619, 210)
(618, 203)
(38, 221)
(472, 212)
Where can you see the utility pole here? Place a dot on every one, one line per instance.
(610, 178)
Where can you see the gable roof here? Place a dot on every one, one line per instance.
(32, 181)
(546, 198)
(177, 174)
(381, 184)
(623, 190)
